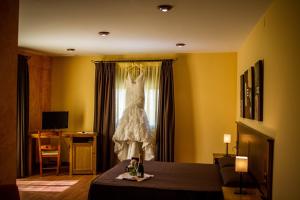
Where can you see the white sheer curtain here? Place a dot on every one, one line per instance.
(151, 71)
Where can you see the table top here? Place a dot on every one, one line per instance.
(217, 155)
(34, 134)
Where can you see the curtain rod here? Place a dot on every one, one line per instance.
(110, 61)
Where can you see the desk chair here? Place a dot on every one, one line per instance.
(49, 147)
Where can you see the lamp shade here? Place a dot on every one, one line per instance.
(227, 138)
(241, 164)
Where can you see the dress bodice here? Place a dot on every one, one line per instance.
(135, 92)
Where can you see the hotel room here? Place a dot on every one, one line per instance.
(189, 99)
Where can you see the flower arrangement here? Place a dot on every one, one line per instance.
(132, 167)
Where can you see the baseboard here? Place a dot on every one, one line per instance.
(9, 192)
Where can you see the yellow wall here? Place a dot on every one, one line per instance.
(276, 40)
(204, 98)
(204, 104)
(72, 88)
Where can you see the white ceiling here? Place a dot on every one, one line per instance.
(136, 26)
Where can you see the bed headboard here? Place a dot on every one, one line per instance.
(259, 148)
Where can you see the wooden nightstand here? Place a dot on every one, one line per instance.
(220, 155)
(252, 194)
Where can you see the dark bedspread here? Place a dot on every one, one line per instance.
(170, 181)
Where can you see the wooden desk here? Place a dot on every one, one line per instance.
(82, 152)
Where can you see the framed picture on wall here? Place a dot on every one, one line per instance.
(258, 90)
(242, 96)
(248, 92)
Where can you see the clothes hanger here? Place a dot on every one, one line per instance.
(135, 70)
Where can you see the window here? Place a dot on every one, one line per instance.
(151, 71)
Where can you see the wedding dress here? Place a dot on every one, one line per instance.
(133, 130)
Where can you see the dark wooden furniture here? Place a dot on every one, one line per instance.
(216, 156)
(171, 180)
(259, 148)
(49, 147)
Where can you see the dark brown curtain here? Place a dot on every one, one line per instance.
(166, 114)
(22, 115)
(104, 116)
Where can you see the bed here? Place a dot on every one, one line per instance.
(191, 181)
(260, 149)
(170, 181)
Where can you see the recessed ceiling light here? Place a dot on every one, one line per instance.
(71, 49)
(180, 44)
(104, 33)
(165, 8)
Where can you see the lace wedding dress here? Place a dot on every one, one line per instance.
(133, 130)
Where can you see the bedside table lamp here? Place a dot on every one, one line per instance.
(227, 140)
(241, 166)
